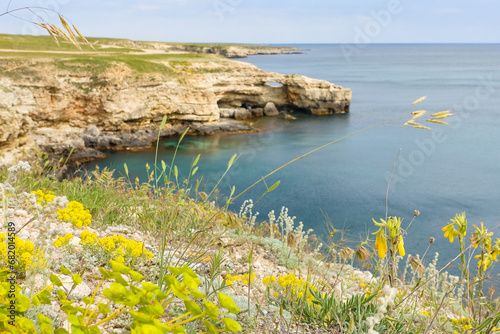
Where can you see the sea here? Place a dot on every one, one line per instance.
(380, 167)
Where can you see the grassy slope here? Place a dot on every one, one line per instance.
(67, 57)
(108, 51)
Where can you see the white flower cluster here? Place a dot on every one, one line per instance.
(246, 212)
(389, 294)
(21, 166)
(286, 224)
(272, 219)
(6, 188)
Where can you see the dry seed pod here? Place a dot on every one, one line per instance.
(419, 100)
(416, 264)
(436, 121)
(346, 253)
(362, 253)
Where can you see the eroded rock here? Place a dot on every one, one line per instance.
(60, 111)
(270, 109)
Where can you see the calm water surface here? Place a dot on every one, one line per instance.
(452, 169)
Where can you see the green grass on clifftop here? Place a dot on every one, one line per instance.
(33, 50)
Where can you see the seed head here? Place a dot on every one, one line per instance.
(346, 253)
(362, 253)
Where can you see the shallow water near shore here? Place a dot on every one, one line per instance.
(449, 170)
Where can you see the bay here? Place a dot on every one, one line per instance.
(448, 170)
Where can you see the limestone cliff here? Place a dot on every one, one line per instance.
(56, 104)
(232, 51)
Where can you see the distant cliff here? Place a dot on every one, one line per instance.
(58, 102)
(235, 51)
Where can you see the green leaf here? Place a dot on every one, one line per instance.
(191, 282)
(136, 277)
(116, 292)
(74, 320)
(105, 273)
(211, 328)
(46, 329)
(149, 329)
(231, 161)
(149, 286)
(44, 297)
(43, 319)
(141, 317)
(196, 160)
(178, 289)
(61, 294)
(274, 186)
(76, 330)
(131, 300)
(77, 280)
(176, 271)
(61, 331)
(66, 302)
(65, 270)
(118, 267)
(119, 278)
(3, 274)
(232, 325)
(176, 171)
(162, 326)
(193, 307)
(163, 122)
(126, 168)
(156, 309)
(55, 280)
(88, 300)
(24, 324)
(197, 294)
(163, 165)
(35, 301)
(194, 171)
(228, 303)
(178, 330)
(211, 310)
(23, 303)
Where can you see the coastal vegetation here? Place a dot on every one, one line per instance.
(105, 253)
(105, 52)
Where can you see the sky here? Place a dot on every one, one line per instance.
(270, 21)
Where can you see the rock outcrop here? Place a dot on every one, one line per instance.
(229, 51)
(59, 108)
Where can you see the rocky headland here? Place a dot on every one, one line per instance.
(62, 102)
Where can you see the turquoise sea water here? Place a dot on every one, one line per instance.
(449, 170)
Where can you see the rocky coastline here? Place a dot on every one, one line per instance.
(232, 51)
(78, 108)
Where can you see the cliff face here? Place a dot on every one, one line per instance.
(228, 51)
(233, 51)
(55, 107)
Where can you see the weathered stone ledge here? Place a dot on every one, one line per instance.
(55, 110)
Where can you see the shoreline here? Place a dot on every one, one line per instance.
(68, 104)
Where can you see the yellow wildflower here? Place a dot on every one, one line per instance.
(401, 246)
(75, 214)
(450, 232)
(381, 243)
(44, 196)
